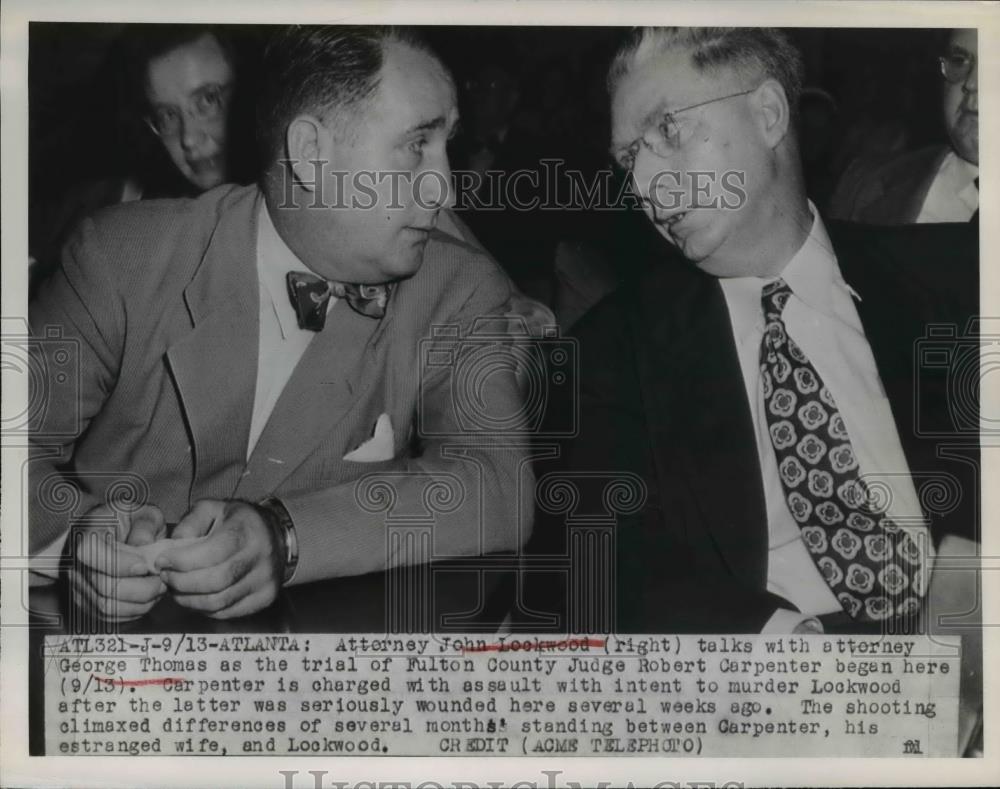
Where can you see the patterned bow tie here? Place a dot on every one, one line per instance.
(310, 296)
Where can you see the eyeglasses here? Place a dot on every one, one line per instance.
(663, 138)
(208, 103)
(957, 66)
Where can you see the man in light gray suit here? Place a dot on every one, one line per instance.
(249, 355)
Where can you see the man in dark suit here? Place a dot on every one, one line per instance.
(246, 357)
(938, 183)
(763, 387)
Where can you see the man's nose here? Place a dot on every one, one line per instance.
(657, 183)
(435, 190)
(192, 132)
(971, 84)
(644, 172)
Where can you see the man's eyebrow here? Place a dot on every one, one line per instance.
(644, 123)
(436, 123)
(653, 115)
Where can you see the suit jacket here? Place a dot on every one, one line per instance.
(662, 396)
(891, 193)
(159, 302)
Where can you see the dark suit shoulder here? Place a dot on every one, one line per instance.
(664, 293)
(931, 253)
(922, 160)
(885, 191)
(905, 164)
(929, 264)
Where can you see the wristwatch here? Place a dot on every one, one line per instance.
(284, 529)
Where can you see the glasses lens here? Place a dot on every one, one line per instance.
(210, 102)
(664, 138)
(955, 68)
(165, 123)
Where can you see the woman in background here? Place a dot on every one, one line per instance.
(182, 116)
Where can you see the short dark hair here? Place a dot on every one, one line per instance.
(748, 51)
(323, 69)
(144, 43)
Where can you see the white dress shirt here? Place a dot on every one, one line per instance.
(953, 196)
(821, 317)
(281, 345)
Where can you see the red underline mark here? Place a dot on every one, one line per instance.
(527, 646)
(134, 683)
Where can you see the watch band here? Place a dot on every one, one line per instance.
(287, 537)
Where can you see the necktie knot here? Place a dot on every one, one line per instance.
(310, 297)
(774, 296)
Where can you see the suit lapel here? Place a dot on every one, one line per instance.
(891, 341)
(328, 381)
(214, 365)
(696, 401)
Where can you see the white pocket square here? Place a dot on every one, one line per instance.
(377, 448)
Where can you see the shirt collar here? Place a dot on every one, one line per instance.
(274, 261)
(965, 174)
(959, 172)
(813, 273)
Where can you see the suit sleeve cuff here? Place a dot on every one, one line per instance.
(783, 621)
(45, 564)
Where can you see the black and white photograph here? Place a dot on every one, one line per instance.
(484, 394)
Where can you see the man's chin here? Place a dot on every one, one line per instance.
(969, 151)
(691, 244)
(405, 265)
(707, 259)
(205, 182)
(965, 137)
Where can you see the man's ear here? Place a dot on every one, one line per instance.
(307, 143)
(773, 112)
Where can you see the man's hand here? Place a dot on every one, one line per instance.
(105, 575)
(234, 571)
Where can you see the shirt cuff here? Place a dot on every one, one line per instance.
(783, 621)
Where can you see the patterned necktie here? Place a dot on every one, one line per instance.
(871, 565)
(310, 296)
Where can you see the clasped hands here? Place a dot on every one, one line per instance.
(234, 570)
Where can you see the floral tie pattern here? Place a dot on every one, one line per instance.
(310, 295)
(872, 566)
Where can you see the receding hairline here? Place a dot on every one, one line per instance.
(656, 44)
(746, 56)
(349, 118)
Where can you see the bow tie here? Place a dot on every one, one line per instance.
(310, 296)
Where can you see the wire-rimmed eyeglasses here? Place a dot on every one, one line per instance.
(208, 103)
(663, 137)
(956, 66)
